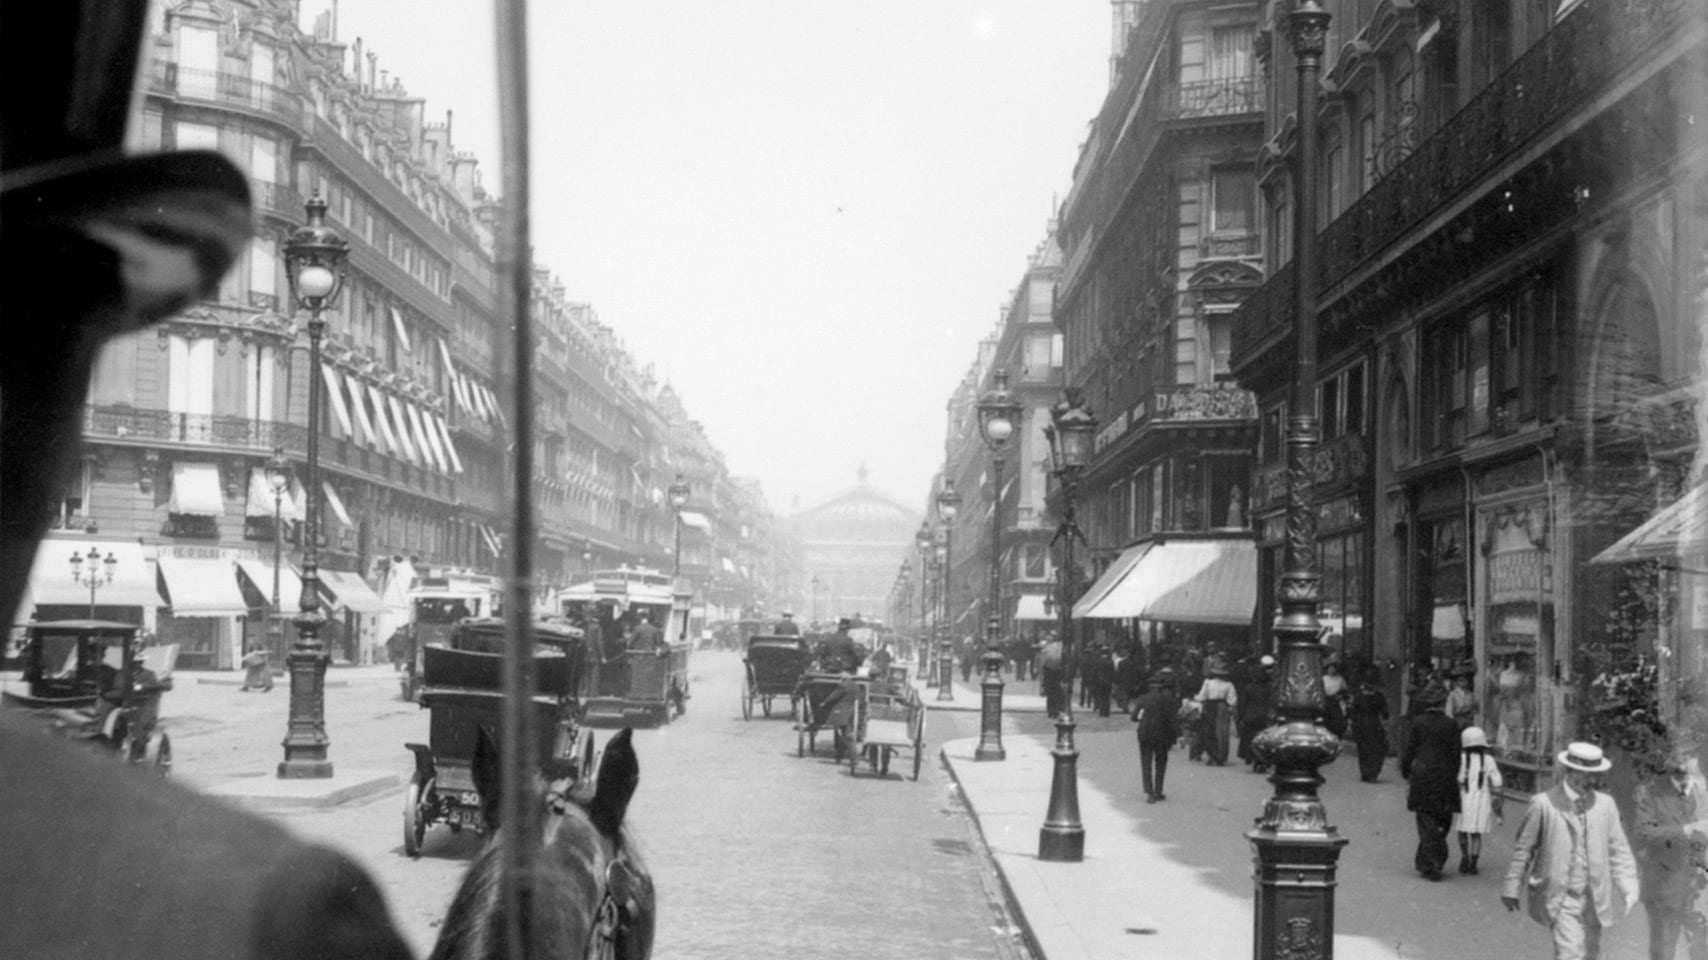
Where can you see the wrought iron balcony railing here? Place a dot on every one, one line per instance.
(230, 89)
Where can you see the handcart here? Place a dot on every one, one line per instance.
(887, 720)
(825, 701)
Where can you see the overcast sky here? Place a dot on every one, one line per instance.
(805, 213)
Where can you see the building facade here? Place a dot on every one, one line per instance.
(848, 548)
(1512, 262)
(181, 420)
(1162, 241)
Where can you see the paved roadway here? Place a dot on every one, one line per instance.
(757, 853)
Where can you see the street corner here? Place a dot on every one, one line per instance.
(264, 790)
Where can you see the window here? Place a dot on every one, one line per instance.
(1234, 199)
(1230, 52)
(196, 136)
(1272, 441)
(1366, 142)
(1333, 192)
(1444, 363)
(1036, 363)
(263, 267)
(1340, 401)
(1219, 334)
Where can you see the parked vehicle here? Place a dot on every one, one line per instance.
(463, 689)
(90, 680)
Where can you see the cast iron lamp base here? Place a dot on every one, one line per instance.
(1062, 838)
(990, 709)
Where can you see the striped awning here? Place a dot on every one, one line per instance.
(201, 587)
(1110, 579)
(1188, 581)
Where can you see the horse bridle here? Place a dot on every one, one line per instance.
(612, 935)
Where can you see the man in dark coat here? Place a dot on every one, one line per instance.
(841, 653)
(1050, 678)
(1098, 672)
(1158, 715)
(787, 627)
(1430, 761)
(1256, 703)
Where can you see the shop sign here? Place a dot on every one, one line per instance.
(1111, 432)
(186, 551)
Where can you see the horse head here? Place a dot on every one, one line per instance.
(591, 894)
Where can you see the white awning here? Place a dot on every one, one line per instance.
(400, 425)
(260, 574)
(696, 520)
(350, 591)
(445, 355)
(335, 394)
(438, 423)
(261, 498)
(359, 407)
(1188, 581)
(201, 587)
(497, 408)
(1031, 607)
(429, 438)
(492, 541)
(1678, 528)
(383, 421)
(195, 490)
(336, 503)
(402, 331)
(50, 577)
(1111, 578)
(460, 390)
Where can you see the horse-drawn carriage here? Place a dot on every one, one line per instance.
(89, 680)
(825, 701)
(463, 688)
(774, 668)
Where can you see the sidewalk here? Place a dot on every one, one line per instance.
(1173, 880)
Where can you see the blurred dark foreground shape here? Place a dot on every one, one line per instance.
(101, 859)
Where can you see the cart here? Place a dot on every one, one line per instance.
(825, 701)
(463, 689)
(887, 720)
(774, 668)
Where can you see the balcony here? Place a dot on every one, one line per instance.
(277, 200)
(1541, 94)
(256, 97)
(1224, 97)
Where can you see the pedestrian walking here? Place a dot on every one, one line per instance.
(1050, 678)
(1479, 796)
(1099, 678)
(1461, 700)
(1130, 683)
(1335, 698)
(1571, 858)
(1157, 712)
(1256, 703)
(1216, 699)
(1430, 761)
(1671, 834)
(1367, 714)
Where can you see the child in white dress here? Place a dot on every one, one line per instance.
(1479, 796)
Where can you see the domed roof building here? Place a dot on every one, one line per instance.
(850, 548)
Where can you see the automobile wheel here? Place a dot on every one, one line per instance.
(414, 818)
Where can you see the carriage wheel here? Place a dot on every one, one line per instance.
(414, 816)
(747, 702)
(884, 764)
(918, 755)
(765, 702)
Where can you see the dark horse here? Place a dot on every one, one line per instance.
(591, 897)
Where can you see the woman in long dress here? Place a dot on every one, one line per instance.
(1218, 698)
(1368, 716)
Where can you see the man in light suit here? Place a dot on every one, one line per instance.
(1571, 858)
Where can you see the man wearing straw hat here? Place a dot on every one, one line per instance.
(1571, 857)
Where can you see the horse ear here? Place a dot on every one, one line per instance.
(488, 777)
(619, 774)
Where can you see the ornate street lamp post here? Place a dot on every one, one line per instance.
(1294, 847)
(922, 540)
(1072, 427)
(314, 268)
(999, 413)
(679, 493)
(96, 575)
(278, 478)
(948, 505)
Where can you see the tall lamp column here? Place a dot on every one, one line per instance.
(1295, 850)
(998, 415)
(314, 267)
(278, 478)
(922, 540)
(948, 506)
(679, 494)
(98, 574)
(1072, 427)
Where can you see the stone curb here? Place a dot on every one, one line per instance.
(267, 791)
